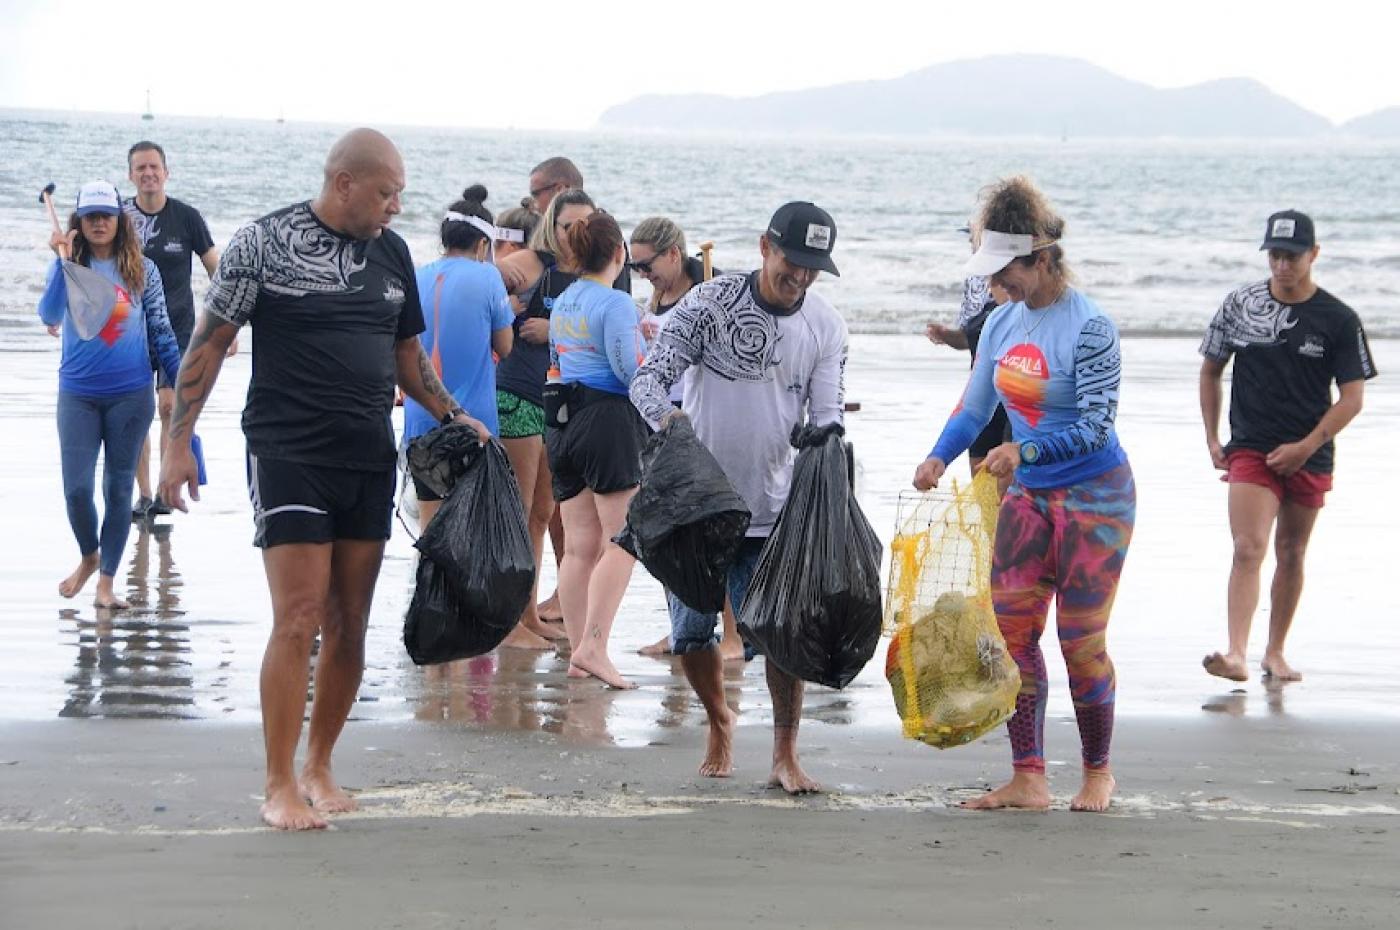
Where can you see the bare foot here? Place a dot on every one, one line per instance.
(662, 647)
(327, 797)
(719, 752)
(731, 650)
(106, 597)
(70, 586)
(521, 638)
(600, 667)
(549, 610)
(286, 809)
(1276, 667)
(550, 631)
(788, 775)
(1025, 791)
(575, 672)
(1223, 666)
(1096, 793)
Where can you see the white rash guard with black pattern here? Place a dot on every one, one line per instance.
(756, 372)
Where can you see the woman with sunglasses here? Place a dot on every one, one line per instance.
(659, 256)
(105, 393)
(536, 276)
(1052, 358)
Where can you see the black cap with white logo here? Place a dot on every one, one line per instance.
(806, 234)
(1289, 230)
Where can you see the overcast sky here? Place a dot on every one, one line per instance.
(547, 64)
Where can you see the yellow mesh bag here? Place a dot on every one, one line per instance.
(947, 663)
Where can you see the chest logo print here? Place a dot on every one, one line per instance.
(1021, 376)
(1313, 347)
(393, 292)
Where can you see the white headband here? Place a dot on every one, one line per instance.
(506, 234)
(486, 229)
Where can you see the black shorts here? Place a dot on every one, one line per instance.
(182, 339)
(599, 451)
(296, 503)
(997, 432)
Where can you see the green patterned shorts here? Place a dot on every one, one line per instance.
(519, 418)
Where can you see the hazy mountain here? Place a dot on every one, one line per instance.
(1002, 95)
(1382, 124)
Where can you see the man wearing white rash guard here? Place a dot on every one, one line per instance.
(766, 354)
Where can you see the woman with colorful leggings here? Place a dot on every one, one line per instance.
(1051, 358)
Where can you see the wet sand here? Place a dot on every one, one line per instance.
(1221, 823)
(499, 793)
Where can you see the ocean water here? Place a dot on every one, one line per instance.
(1159, 231)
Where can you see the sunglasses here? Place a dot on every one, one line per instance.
(535, 192)
(645, 267)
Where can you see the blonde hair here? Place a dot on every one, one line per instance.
(660, 233)
(546, 237)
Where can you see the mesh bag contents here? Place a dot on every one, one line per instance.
(952, 677)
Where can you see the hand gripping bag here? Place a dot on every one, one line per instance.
(813, 607)
(686, 521)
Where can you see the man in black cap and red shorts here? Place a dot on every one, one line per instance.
(768, 354)
(1290, 340)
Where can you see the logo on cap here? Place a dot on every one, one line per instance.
(1284, 228)
(818, 237)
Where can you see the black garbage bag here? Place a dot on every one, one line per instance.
(477, 568)
(686, 521)
(813, 607)
(440, 456)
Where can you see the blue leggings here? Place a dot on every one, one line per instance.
(118, 425)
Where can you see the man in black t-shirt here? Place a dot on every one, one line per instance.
(1290, 340)
(172, 233)
(333, 294)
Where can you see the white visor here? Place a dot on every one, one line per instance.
(996, 251)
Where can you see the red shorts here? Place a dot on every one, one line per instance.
(1305, 488)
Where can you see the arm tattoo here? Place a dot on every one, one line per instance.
(198, 372)
(432, 384)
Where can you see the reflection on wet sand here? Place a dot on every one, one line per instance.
(135, 663)
(1236, 702)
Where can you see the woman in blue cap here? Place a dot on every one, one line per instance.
(105, 396)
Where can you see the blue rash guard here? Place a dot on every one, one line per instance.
(1059, 384)
(118, 359)
(464, 303)
(593, 337)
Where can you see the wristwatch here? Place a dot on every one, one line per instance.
(1030, 453)
(451, 415)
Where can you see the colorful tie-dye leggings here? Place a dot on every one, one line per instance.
(1070, 543)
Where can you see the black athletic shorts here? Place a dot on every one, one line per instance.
(295, 503)
(997, 432)
(600, 450)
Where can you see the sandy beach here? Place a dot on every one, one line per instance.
(496, 792)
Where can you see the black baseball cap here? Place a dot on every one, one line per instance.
(1289, 230)
(806, 234)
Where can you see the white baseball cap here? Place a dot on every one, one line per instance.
(996, 250)
(98, 197)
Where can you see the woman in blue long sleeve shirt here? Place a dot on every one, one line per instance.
(105, 397)
(1051, 358)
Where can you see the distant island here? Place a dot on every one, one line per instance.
(1004, 95)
